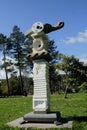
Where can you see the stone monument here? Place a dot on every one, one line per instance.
(41, 57)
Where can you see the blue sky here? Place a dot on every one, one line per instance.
(70, 40)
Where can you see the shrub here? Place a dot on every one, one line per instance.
(83, 87)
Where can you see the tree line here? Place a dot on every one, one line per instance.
(17, 47)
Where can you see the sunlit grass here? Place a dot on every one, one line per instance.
(74, 106)
(12, 108)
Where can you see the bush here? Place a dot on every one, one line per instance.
(83, 87)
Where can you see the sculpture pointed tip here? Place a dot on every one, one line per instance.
(59, 25)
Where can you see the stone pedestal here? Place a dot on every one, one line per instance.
(41, 96)
(43, 118)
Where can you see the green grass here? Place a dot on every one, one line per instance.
(74, 106)
(12, 108)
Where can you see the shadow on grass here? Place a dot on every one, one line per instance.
(80, 118)
(74, 118)
(78, 122)
(65, 119)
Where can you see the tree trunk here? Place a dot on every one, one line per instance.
(65, 93)
(6, 74)
(21, 81)
(7, 81)
(20, 75)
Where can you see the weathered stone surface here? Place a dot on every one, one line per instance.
(41, 86)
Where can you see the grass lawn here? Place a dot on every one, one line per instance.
(74, 106)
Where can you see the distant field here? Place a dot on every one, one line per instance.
(74, 106)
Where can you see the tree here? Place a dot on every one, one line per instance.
(3, 49)
(0, 89)
(14, 85)
(83, 87)
(17, 39)
(74, 72)
(28, 49)
(53, 52)
(28, 85)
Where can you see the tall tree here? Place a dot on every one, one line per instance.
(54, 82)
(3, 49)
(17, 42)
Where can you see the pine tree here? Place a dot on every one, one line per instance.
(3, 49)
(17, 39)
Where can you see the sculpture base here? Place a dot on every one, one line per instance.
(52, 117)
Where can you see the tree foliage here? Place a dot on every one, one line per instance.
(75, 72)
(17, 40)
(83, 87)
(53, 75)
(4, 50)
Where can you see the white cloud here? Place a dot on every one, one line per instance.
(7, 58)
(83, 58)
(80, 38)
(2, 74)
(2, 71)
(61, 72)
(84, 61)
